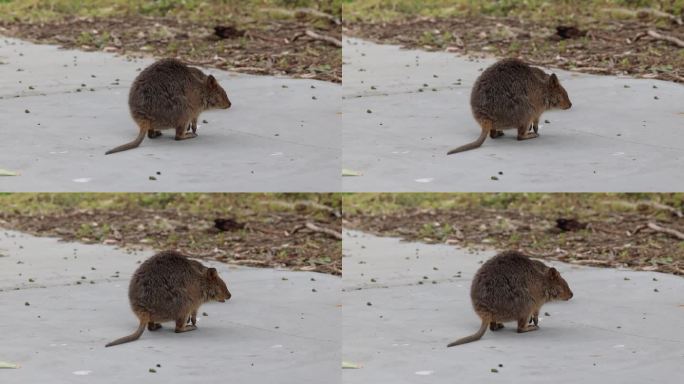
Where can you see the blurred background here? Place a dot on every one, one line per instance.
(297, 231)
(642, 38)
(299, 38)
(638, 231)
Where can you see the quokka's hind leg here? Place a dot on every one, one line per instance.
(524, 327)
(183, 134)
(153, 133)
(181, 325)
(525, 134)
(494, 326)
(152, 326)
(535, 318)
(494, 133)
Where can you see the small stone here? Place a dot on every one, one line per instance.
(26, 304)
(655, 290)
(626, 86)
(367, 111)
(494, 370)
(369, 303)
(153, 178)
(547, 314)
(205, 122)
(626, 278)
(152, 370)
(500, 365)
(494, 178)
(27, 111)
(205, 314)
(547, 122)
(655, 97)
(313, 290)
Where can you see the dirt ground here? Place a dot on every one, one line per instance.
(275, 47)
(602, 46)
(300, 235)
(617, 237)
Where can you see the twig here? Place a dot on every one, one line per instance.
(306, 11)
(317, 13)
(652, 204)
(317, 36)
(645, 11)
(327, 231)
(249, 261)
(302, 204)
(669, 231)
(671, 39)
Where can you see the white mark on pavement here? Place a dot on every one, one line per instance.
(425, 180)
(619, 346)
(424, 373)
(276, 346)
(82, 373)
(618, 154)
(277, 154)
(82, 180)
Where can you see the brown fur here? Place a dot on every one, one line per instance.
(512, 287)
(170, 287)
(170, 95)
(511, 94)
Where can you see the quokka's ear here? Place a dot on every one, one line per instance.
(211, 81)
(554, 79)
(553, 273)
(212, 272)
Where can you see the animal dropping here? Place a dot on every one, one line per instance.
(512, 287)
(513, 95)
(170, 95)
(170, 287)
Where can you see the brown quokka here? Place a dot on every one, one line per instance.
(511, 94)
(512, 287)
(170, 95)
(170, 287)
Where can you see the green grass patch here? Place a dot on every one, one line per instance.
(44, 10)
(562, 203)
(386, 10)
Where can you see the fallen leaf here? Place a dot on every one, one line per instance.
(8, 365)
(350, 365)
(349, 172)
(4, 172)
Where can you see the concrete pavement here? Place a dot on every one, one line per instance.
(403, 302)
(404, 109)
(64, 108)
(62, 302)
